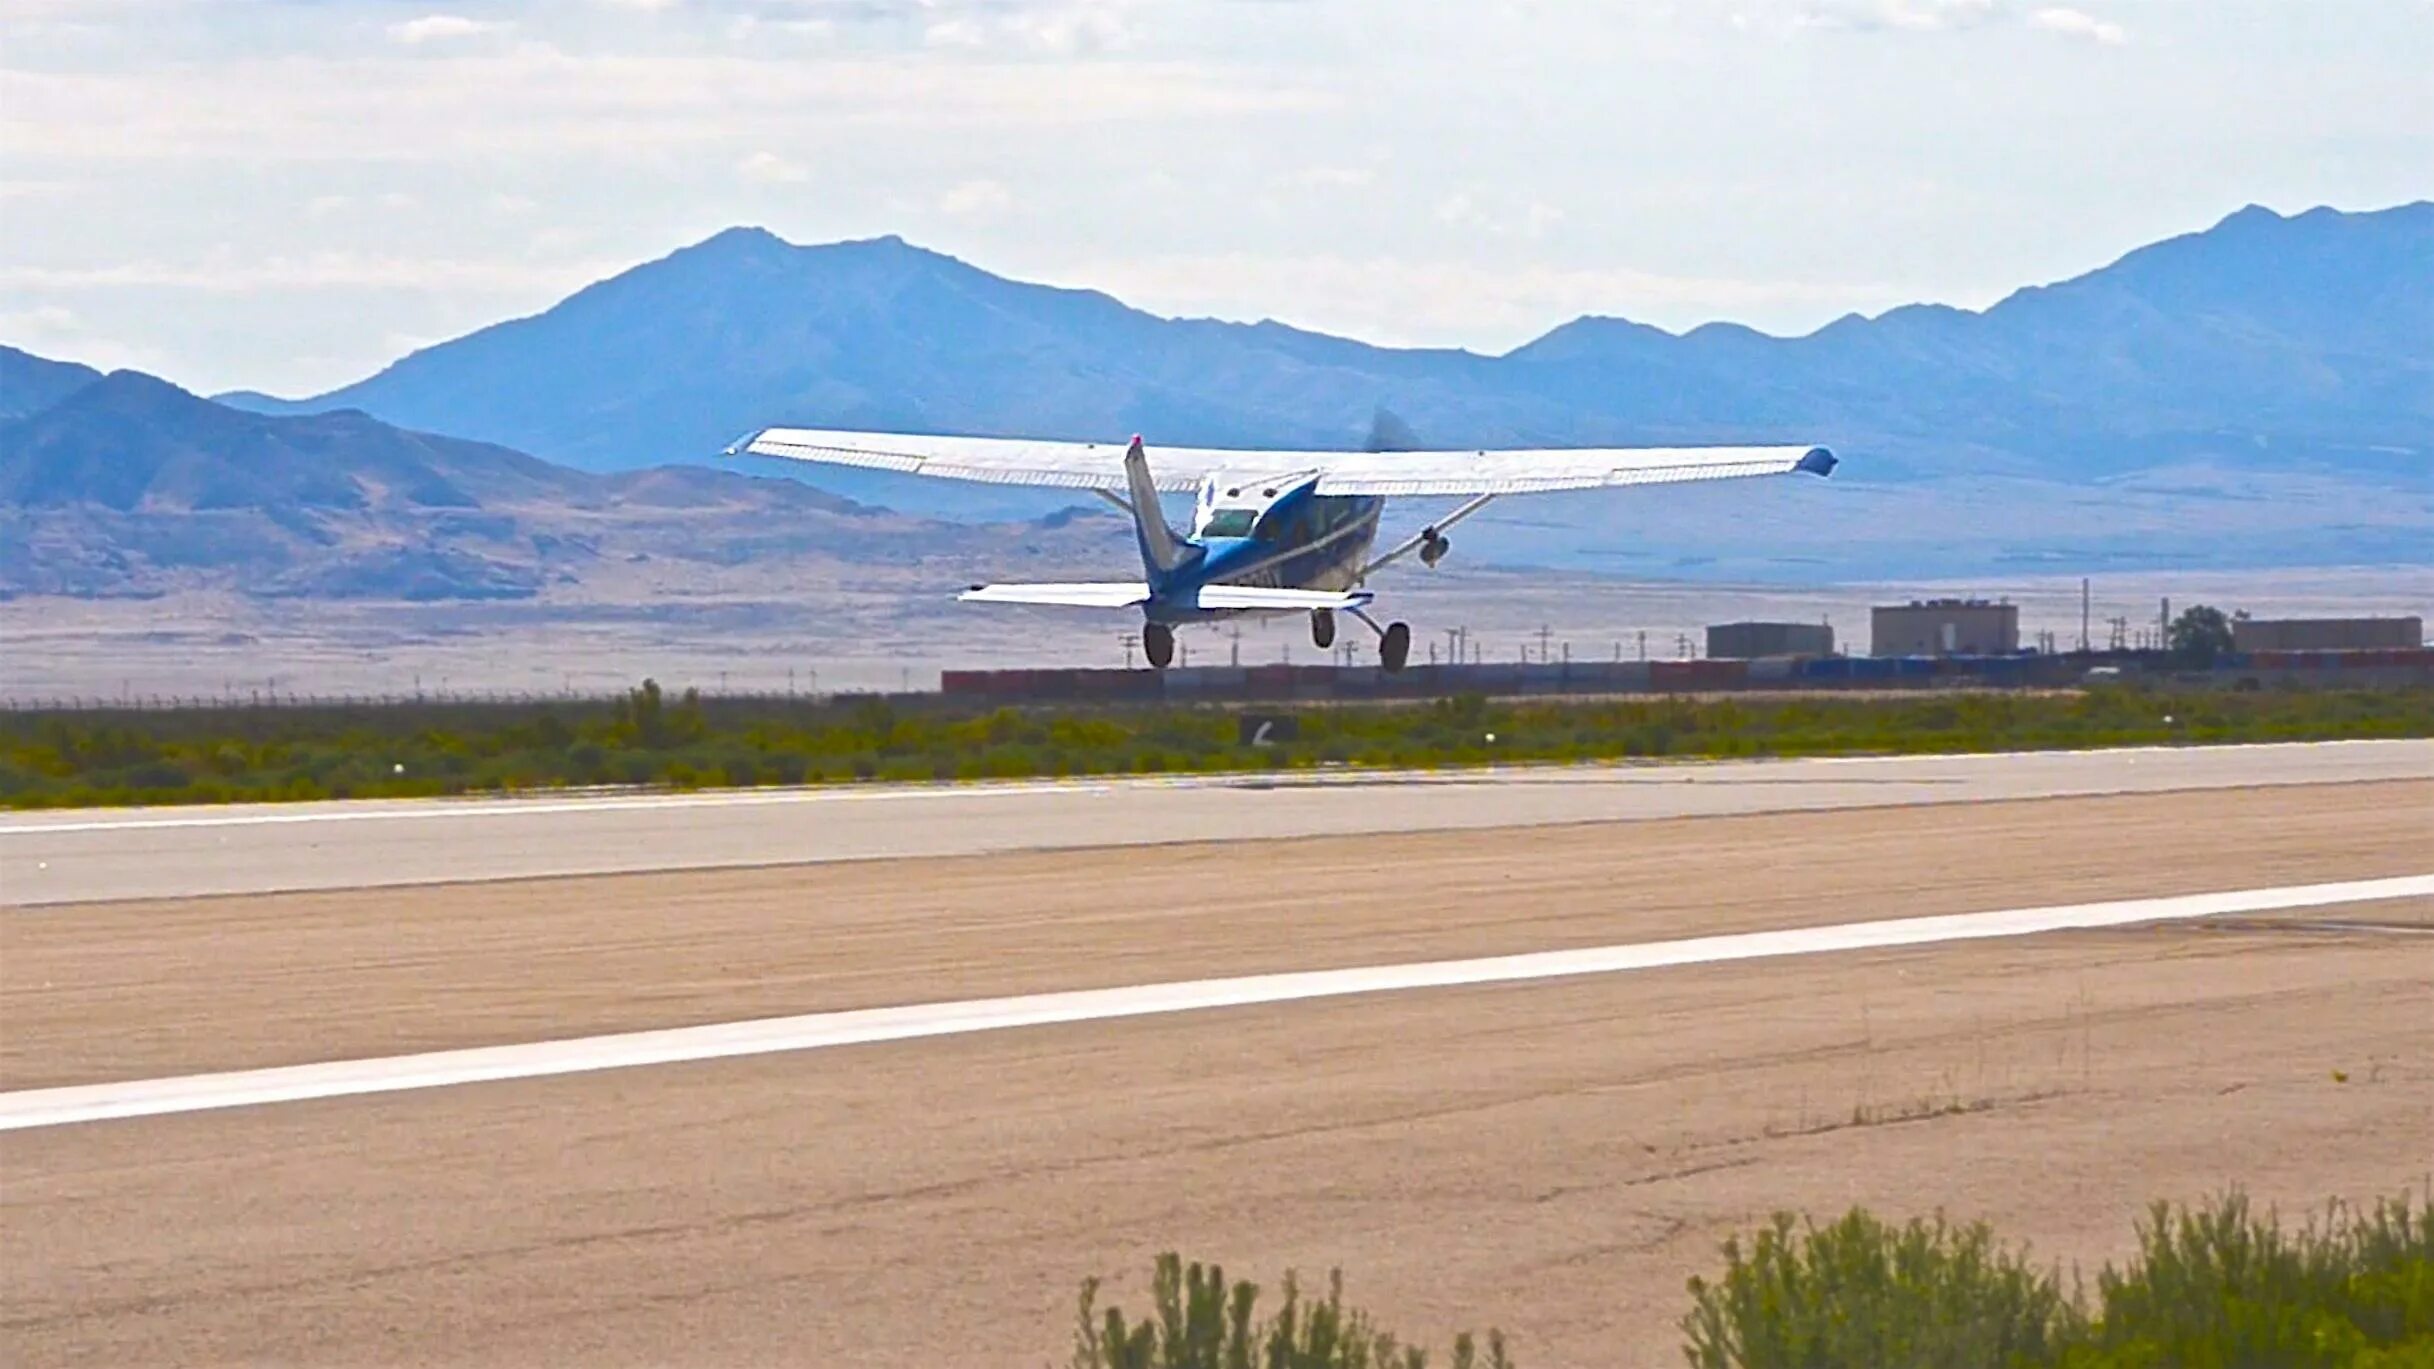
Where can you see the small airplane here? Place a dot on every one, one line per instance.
(1273, 532)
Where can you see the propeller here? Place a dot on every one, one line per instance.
(1389, 433)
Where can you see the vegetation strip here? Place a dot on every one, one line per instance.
(646, 738)
(2213, 1284)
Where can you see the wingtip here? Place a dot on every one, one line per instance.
(1819, 461)
(738, 446)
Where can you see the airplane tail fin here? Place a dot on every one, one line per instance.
(1160, 552)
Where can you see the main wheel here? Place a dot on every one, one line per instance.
(1322, 628)
(1395, 647)
(1158, 643)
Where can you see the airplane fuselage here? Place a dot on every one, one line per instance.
(1275, 534)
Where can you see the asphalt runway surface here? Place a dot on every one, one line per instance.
(88, 855)
(1555, 1155)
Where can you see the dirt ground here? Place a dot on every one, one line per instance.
(1554, 1158)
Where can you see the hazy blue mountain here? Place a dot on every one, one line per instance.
(2317, 328)
(673, 360)
(29, 384)
(2258, 393)
(131, 486)
(2305, 336)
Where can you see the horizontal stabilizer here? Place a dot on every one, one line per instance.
(1281, 600)
(1090, 594)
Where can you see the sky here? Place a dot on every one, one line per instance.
(288, 194)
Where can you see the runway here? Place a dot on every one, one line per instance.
(1611, 1043)
(88, 855)
(821, 1031)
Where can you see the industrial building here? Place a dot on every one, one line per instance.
(1944, 627)
(2326, 634)
(1750, 641)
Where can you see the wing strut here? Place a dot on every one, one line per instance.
(1434, 533)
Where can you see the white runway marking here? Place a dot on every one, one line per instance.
(815, 1031)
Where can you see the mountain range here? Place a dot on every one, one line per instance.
(2260, 393)
(2310, 332)
(130, 486)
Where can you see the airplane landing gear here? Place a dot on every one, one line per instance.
(1322, 628)
(1394, 642)
(1394, 647)
(1158, 644)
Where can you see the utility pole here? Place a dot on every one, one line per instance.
(2084, 640)
(1128, 640)
(1643, 644)
(1544, 632)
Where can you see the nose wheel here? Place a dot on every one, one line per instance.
(1322, 628)
(1158, 644)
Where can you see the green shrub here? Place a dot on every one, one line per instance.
(1200, 1321)
(647, 736)
(1859, 1292)
(2222, 1286)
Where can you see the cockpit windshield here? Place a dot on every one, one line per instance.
(1229, 523)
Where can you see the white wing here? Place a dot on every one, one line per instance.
(1084, 594)
(1280, 600)
(1100, 465)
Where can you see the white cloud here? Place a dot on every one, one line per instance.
(2079, 24)
(329, 206)
(440, 28)
(225, 273)
(1083, 27)
(1334, 177)
(1783, 17)
(1933, 16)
(60, 333)
(976, 199)
(768, 168)
(1498, 218)
(955, 33)
(534, 100)
(41, 321)
(21, 188)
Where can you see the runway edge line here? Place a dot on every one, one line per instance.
(63, 1106)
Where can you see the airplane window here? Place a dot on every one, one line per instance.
(1230, 523)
